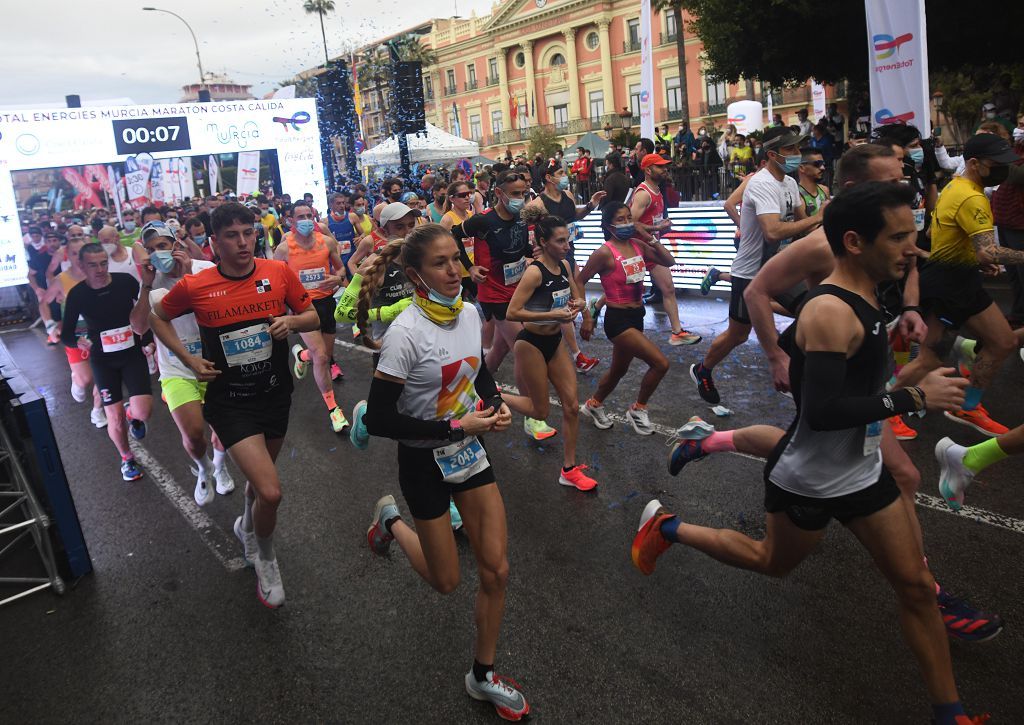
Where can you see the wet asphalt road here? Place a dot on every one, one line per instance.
(168, 629)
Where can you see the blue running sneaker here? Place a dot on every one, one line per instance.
(357, 430)
(711, 278)
(964, 621)
(130, 470)
(683, 452)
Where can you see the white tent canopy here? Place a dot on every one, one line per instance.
(436, 145)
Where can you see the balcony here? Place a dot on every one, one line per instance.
(631, 46)
(712, 109)
(788, 96)
(492, 80)
(671, 114)
(450, 90)
(572, 127)
(470, 85)
(666, 38)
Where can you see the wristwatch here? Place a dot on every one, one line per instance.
(455, 431)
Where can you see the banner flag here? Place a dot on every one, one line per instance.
(86, 196)
(248, 172)
(214, 171)
(898, 63)
(186, 177)
(818, 100)
(646, 72)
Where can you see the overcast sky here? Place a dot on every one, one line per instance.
(112, 49)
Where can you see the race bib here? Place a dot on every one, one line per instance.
(461, 460)
(312, 278)
(344, 247)
(193, 344)
(634, 269)
(514, 271)
(560, 298)
(919, 219)
(117, 339)
(872, 438)
(249, 345)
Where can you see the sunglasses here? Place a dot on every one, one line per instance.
(819, 164)
(463, 195)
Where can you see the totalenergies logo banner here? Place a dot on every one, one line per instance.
(898, 54)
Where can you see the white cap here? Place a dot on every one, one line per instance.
(395, 210)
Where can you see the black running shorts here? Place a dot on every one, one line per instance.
(233, 422)
(813, 514)
(325, 308)
(619, 319)
(953, 293)
(494, 310)
(737, 305)
(423, 487)
(129, 369)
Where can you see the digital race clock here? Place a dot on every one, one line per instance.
(134, 136)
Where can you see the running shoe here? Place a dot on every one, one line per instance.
(576, 477)
(597, 414)
(701, 377)
(964, 621)
(269, 588)
(248, 541)
(357, 433)
(300, 367)
(686, 443)
(640, 420)
(954, 476)
(902, 431)
(455, 516)
(338, 421)
(964, 355)
(151, 364)
(684, 338)
(52, 335)
(653, 297)
(225, 483)
(538, 429)
(501, 692)
(204, 492)
(77, 392)
(136, 427)
(378, 536)
(584, 363)
(130, 470)
(710, 279)
(336, 373)
(98, 416)
(978, 419)
(649, 544)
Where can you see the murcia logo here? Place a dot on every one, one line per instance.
(262, 285)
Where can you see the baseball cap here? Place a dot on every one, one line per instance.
(650, 160)
(156, 229)
(777, 137)
(988, 107)
(991, 147)
(395, 210)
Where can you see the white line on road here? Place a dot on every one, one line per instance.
(215, 540)
(937, 504)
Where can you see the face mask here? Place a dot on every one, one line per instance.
(173, 225)
(624, 232)
(162, 261)
(917, 156)
(110, 248)
(990, 114)
(199, 239)
(563, 183)
(305, 227)
(789, 164)
(129, 226)
(359, 210)
(397, 196)
(515, 206)
(996, 175)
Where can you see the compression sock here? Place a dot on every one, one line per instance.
(304, 356)
(946, 714)
(203, 464)
(266, 547)
(972, 397)
(983, 455)
(668, 529)
(329, 400)
(247, 511)
(719, 442)
(480, 671)
(218, 459)
(127, 457)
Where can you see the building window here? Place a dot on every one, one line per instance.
(592, 40)
(671, 31)
(716, 92)
(634, 99)
(428, 85)
(471, 73)
(560, 117)
(596, 104)
(495, 122)
(557, 59)
(492, 68)
(673, 97)
(475, 132)
(450, 75)
(519, 59)
(633, 31)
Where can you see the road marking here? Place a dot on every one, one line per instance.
(216, 540)
(921, 499)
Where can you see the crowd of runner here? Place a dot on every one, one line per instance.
(231, 302)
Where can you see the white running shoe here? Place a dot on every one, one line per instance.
(225, 484)
(954, 476)
(269, 588)
(300, 367)
(508, 701)
(77, 392)
(640, 420)
(150, 352)
(248, 540)
(598, 415)
(204, 491)
(98, 416)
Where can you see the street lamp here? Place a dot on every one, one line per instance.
(199, 61)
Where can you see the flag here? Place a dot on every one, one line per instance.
(248, 172)
(456, 124)
(214, 170)
(185, 178)
(818, 100)
(357, 98)
(513, 104)
(898, 63)
(533, 105)
(646, 72)
(771, 107)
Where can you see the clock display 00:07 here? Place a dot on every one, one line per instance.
(134, 136)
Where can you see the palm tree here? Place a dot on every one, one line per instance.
(675, 8)
(376, 70)
(320, 7)
(304, 87)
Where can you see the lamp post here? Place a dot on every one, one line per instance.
(199, 61)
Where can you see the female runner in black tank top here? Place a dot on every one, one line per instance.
(547, 296)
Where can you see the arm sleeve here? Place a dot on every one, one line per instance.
(177, 302)
(346, 308)
(826, 409)
(382, 418)
(484, 384)
(70, 316)
(295, 295)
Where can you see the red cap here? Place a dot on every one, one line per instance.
(652, 160)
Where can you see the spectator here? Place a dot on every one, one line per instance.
(777, 120)
(643, 147)
(1008, 214)
(664, 137)
(684, 142)
(823, 142)
(805, 125)
(582, 169)
(741, 157)
(616, 183)
(836, 119)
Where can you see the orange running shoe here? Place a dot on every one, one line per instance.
(976, 720)
(576, 477)
(978, 419)
(903, 431)
(649, 544)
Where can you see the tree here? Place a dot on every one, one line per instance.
(320, 7)
(376, 69)
(676, 7)
(543, 141)
(304, 87)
